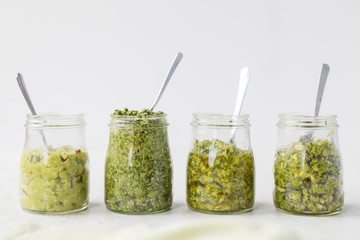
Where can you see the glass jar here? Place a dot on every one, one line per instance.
(308, 166)
(138, 169)
(54, 164)
(220, 171)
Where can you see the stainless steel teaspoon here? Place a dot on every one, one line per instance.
(167, 79)
(323, 77)
(24, 91)
(243, 83)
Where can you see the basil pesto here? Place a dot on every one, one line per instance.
(56, 181)
(220, 177)
(138, 171)
(308, 178)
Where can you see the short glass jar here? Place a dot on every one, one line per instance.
(138, 169)
(54, 164)
(308, 169)
(220, 170)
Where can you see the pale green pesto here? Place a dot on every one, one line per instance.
(138, 171)
(308, 178)
(56, 181)
(227, 184)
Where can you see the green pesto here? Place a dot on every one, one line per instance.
(56, 181)
(145, 112)
(225, 186)
(308, 178)
(138, 171)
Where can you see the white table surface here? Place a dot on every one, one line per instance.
(343, 226)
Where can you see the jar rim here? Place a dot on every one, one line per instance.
(307, 120)
(55, 119)
(55, 115)
(220, 119)
(155, 121)
(221, 115)
(139, 117)
(307, 116)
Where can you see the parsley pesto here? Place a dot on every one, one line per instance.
(138, 170)
(220, 177)
(56, 181)
(308, 178)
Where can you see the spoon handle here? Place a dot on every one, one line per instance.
(165, 83)
(22, 86)
(24, 91)
(323, 77)
(243, 83)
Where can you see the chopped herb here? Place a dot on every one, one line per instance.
(138, 171)
(144, 112)
(222, 184)
(308, 178)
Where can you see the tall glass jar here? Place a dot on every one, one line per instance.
(54, 164)
(308, 166)
(138, 169)
(220, 171)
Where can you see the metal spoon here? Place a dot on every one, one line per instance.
(323, 77)
(169, 75)
(243, 83)
(24, 91)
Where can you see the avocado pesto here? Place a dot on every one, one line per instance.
(220, 177)
(56, 181)
(308, 178)
(138, 171)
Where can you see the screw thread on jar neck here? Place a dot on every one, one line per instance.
(220, 120)
(144, 120)
(45, 120)
(305, 120)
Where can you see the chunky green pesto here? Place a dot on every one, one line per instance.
(56, 181)
(145, 112)
(308, 178)
(138, 171)
(220, 177)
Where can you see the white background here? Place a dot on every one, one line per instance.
(95, 56)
